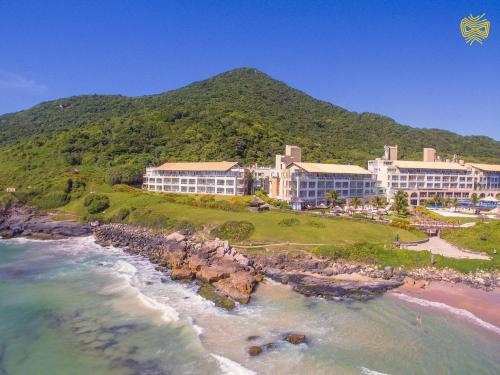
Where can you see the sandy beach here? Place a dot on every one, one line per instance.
(484, 305)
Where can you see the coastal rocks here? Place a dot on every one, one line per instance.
(27, 221)
(295, 338)
(181, 274)
(254, 350)
(332, 289)
(226, 276)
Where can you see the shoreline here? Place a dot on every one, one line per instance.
(483, 305)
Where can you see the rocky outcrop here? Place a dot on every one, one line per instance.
(31, 222)
(215, 263)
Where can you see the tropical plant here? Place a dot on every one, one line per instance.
(474, 199)
(379, 201)
(400, 205)
(356, 202)
(333, 197)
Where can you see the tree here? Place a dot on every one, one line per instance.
(379, 202)
(400, 204)
(437, 200)
(455, 203)
(356, 201)
(333, 197)
(474, 199)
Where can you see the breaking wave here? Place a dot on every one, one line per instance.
(229, 367)
(456, 311)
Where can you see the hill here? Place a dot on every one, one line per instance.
(242, 115)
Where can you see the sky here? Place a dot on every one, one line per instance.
(404, 59)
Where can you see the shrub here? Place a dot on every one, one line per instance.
(52, 199)
(290, 222)
(233, 230)
(121, 215)
(6, 200)
(96, 203)
(185, 227)
(125, 174)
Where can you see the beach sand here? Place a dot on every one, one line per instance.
(485, 305)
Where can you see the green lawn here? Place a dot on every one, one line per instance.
(269, 226)
(484, 236)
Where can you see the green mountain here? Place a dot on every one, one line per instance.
(242, 115)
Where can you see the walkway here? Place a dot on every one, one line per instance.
(437, 245)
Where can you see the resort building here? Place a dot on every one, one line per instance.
(486, 178)
(223, 178)
(422, 180)
(305, 185)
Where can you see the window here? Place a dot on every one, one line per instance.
(229, 182)
(220, 190)
(192, 181)
(184, 181)
(312, 184)
(230, 191)
(312, 193)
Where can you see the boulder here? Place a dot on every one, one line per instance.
(176, 236)
(183, 273)
(226, 287)
(295, 338)
(195, 262)
(254, 350)
(243, 281)
(210, 274)
(174, 259)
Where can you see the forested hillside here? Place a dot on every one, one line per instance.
(242, 115)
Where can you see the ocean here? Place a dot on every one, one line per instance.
(73, 307)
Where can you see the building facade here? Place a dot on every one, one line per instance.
(307, 184)
(220, 178)
(422, 180)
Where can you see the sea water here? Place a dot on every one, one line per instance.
(73, 307)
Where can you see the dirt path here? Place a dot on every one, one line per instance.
(437, 245)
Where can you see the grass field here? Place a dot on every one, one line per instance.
(269, 227)
(484, 236)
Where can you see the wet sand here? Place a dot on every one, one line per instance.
(484, 305)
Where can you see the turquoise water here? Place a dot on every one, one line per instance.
(72, 307)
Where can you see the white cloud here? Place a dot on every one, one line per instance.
(16, 82)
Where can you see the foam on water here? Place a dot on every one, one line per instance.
(367, 371)
(229, 367)
(453, 310)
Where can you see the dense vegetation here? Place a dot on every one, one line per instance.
(241, 115)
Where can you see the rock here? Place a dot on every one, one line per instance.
(195, 262)
(181, 274)
(295, 338)
(175, 258)
(254, 350)
(243, 281)
(253, 338)
(210, 274)
(226, 287)
(208, 291)
(176, 236)
(388, 272)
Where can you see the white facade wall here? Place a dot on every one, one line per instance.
(232, 182)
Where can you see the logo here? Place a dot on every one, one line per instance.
(474, 29)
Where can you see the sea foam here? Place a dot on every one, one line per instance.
(453, 310)
(229, 367)
(367, 371)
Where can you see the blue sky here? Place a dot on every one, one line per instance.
(405, 59)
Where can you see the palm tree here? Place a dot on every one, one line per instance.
(355, 202)
(333, 197)
(474, 199)
(436, 199)
(455, 203)
(379, 202)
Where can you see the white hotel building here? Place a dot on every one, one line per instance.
(431, 176)
(222, 178)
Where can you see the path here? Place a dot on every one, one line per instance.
(279, 244)
(437, 245)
